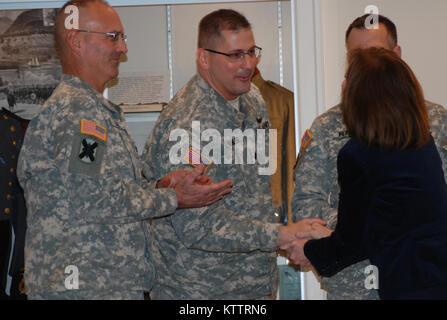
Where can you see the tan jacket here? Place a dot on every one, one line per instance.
(280, 107)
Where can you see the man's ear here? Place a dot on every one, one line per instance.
(398, 50)
(74, 42)
(202, 59)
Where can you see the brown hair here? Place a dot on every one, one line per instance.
(383, 103)
(360, 23)
(212, 24)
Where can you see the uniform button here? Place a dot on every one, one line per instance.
(13, 129)
(14, 143)
(11, 170)
(8, 197)
(5, 117)
(13, 156)
(10, 183)
(7, 211)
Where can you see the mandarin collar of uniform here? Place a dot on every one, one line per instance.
(82, 84)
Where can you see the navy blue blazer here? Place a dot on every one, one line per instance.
(392, 210)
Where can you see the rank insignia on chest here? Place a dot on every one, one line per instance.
(93, 129)
(307, 137)
(194, 158)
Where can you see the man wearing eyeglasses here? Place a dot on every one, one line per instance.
(226, 250)
(87, 199)
(316, 185)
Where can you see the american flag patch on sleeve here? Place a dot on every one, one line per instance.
(93, 129)
(194, 158)
(306, 139)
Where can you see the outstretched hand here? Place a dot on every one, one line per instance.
(171, 180)
(194, 190)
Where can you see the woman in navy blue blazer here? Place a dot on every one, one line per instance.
(393, 195)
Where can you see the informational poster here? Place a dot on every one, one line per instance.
(140, 91)
(29, 66)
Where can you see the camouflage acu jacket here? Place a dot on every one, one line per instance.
(85, 195)
(316, 188)
(226, 250)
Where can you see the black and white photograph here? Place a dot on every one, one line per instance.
(29, 67)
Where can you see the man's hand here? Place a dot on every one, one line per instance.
(295, 252)
(171, 180)
(307, 229)
(194, 190)
(301, 229)
(317, 231)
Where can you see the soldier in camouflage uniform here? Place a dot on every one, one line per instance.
(227, 250)
(316, 187)
(82, 177)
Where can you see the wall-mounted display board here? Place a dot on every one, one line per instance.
(29, 66)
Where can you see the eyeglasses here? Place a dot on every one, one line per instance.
(114, 36)
(254, 52)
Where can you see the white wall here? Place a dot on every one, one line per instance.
(148, 44)
(421, 27)
(147, 29)
(147, 38)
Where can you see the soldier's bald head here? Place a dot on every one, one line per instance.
(84, 18)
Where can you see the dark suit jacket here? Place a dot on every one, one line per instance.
(12, 200)
(392, 210)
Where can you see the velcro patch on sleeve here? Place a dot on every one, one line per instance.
(93, 129)
(307, 137)
(87, 155)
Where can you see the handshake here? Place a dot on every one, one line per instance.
(292, 238)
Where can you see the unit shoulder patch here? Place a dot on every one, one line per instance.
(87, 154)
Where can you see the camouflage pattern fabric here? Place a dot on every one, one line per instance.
(316, 188)
(85, 195)
(91, 295)
(226, 250)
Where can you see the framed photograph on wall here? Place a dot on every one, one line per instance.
(29, 66)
